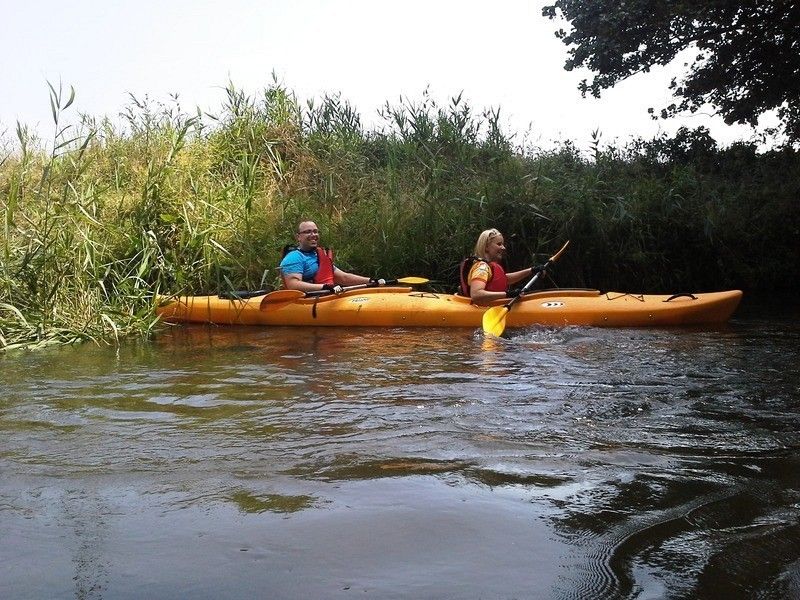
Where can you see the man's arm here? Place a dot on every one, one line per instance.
(345, 278)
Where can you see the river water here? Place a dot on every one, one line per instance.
(329, 463)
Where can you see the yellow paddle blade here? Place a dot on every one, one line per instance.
(494, 320)
(279, 298)
(413, 280)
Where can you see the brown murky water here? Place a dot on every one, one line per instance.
(329, 463)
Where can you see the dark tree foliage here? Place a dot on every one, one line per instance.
(747, 57)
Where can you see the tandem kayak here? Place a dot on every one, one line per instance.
(405, 307)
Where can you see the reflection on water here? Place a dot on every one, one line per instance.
(285, 462)
(273, 502)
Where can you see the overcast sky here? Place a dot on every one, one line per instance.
(500, 54)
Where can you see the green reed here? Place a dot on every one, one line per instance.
(170, 202)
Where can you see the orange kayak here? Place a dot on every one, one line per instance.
(405, 307)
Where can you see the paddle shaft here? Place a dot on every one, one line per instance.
(318, 293)
(527, 286)
(404, 280)
(535, 278)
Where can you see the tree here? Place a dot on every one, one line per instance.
(747, 58)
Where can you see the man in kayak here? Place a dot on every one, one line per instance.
(310, 268)
(483, 277)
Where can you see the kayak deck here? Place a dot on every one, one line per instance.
(404, 307)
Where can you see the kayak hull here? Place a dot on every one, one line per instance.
(404, 307)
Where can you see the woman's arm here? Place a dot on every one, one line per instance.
(479, 294)
(518, 276)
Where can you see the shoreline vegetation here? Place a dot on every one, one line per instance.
(167, 202)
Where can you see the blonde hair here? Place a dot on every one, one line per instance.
(483, 241)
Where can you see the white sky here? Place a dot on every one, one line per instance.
(500, 53)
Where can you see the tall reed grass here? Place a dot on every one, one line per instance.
(171, 202)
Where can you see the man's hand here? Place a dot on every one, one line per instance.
(376, 282)
(333, 287)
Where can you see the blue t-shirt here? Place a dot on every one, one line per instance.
(300, 261)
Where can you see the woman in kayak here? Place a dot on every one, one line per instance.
(483, 277)
(309, 267)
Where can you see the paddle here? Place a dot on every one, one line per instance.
(494, 319)
(403, 280)
(245, 294)
(407, 281)
(280, 298)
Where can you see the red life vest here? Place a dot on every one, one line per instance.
(325, 260)
(498, 282)
(325, 271)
